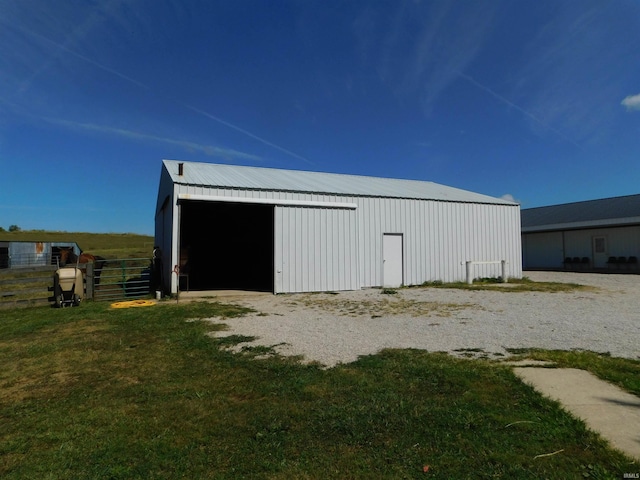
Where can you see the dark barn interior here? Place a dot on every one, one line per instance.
(227, 246)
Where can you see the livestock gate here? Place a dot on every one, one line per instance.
(121, 278)
(117, 279)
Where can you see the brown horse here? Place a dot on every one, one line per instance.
(68, 256)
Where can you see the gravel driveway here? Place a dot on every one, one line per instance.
(337, 328)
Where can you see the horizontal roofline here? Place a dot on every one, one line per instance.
(301, 181)
(607, 222)
(622, 210)
(580, 202)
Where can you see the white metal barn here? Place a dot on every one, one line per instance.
(593, 235)
(250, 228)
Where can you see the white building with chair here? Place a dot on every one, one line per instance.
(594, 235)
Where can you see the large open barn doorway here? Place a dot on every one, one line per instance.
(227, 246)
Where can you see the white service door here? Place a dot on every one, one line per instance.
(392, 260)
(600, 251)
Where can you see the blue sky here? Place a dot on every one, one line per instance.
(536, 99)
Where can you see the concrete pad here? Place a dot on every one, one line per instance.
(605, 408)
(226, 294)
(528, 363)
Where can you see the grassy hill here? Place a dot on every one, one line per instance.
(108, 245)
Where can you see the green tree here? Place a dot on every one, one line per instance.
(14, 228)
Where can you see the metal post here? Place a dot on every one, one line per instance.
(91, 278)
(176, 270)
(469, 273)
(504, 271)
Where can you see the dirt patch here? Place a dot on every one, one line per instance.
(389, 305)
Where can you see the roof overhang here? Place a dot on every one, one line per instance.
(217, 176)
(267, 201)
(604, 223)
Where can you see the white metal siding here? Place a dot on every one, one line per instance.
(621, 242)
(548, 250)
(578, 243)
(166, 228)
(163, 238)
(543, 250)
(321, 249)
(315, 249)
(439, 237)
(625, 242)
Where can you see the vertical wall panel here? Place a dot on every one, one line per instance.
(319, 249)
(544, 250)
(439, 238)
(621, 241)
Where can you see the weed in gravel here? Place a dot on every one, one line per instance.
(232, 340)
(477, 353)
(514, 285)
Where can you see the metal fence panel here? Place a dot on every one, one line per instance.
(122, 278)
(118, 279)
(25, 285)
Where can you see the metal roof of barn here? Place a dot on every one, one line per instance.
(260, 178)
(615, 211)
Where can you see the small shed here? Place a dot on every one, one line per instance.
(593, 235)
(20, 254)
(251, 228)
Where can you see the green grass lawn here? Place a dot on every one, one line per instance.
(95, 392)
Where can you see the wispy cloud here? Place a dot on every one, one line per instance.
(568, 77)
(508, 102)
(60, 49)
(418, 51)
(447, 45)
(209, 150)
(631, 102)
(246, 132)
